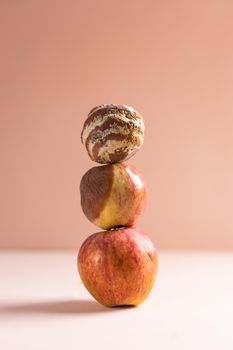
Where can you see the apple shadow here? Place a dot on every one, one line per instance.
(79, 306)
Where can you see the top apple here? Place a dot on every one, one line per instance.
(112, 133)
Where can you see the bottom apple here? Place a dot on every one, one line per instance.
(118, 267)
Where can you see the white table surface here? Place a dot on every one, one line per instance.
(43, 305)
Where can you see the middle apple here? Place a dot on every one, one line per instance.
(113, 195)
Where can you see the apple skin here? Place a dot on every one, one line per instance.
(113, 195)
(118, 267)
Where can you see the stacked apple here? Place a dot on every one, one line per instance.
(118, 266)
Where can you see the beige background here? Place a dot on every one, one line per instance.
(172, 60)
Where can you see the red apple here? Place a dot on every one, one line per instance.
(118, 267)
(113, 195)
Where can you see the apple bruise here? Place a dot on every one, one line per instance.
(95, 187)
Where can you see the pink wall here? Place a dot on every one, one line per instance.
(172, 60)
